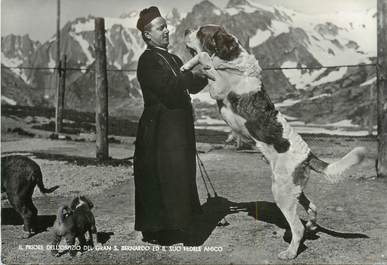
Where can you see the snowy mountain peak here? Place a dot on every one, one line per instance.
(204, 6)
(236, 3)
(131, 14)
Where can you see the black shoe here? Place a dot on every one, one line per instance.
(170, 237)
(151, 237)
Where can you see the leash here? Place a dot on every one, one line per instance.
(203, 172)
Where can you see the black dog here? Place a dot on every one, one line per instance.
(73, 222)
(19, 176)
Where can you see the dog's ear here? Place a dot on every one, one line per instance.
(226, 46)
(207, 42)
(63, 212)
(86, 200)
(75, 203)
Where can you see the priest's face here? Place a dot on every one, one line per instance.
(157, 33)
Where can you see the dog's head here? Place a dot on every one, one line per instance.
(81, 200)
(212, 39)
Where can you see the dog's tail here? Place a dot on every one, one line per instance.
(334, 171)
(39, 183)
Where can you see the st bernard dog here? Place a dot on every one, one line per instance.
(247, 109)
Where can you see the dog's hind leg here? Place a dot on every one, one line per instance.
(286, 196)
(55, 243)
(82, 242)
(91, 237)
(34, 214)
(311, 209)
(70, 239)
(22, 206)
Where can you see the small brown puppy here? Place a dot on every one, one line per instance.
(73, 222)
(19, 176)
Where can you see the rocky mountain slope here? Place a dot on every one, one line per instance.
(278, 37)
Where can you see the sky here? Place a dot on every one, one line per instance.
(38, 17)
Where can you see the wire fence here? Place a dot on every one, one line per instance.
(134, 70)
(314, 138)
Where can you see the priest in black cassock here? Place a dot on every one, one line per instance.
(166, 197)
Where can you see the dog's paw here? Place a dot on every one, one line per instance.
(26, 235)
(98, 244)
(287, 255)
(311, 227)
(55, 253)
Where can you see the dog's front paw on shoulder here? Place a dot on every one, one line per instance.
(287, 255)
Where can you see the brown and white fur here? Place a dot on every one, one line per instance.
(73, 222)
(247, 109)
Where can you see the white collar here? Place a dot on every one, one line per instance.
(156, 47)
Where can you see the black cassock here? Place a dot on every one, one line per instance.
(165, 154)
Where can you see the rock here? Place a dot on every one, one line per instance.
(204, 148)
(339, 209)
(90, 137)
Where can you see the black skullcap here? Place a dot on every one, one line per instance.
(146, 16)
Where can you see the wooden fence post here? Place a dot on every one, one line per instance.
(60, 95)
(381, 163)
(372, 113)
(101, 91)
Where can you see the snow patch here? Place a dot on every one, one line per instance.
(287, 103)
(132, 44)
(298, 78)
(258, 6)
(250, 7)
(131, 76)
(117, 65)
(232, 11)
(86, 26)
(125, 58)
(259, 37)
(343, 123)
(331, 77)
(320, 96)
(14, 62)
(84, 45)
(10, 62)
(8, 100)
(359, 27)
(51, 62)
(217, 12)
(279, 27)
(369, 81)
